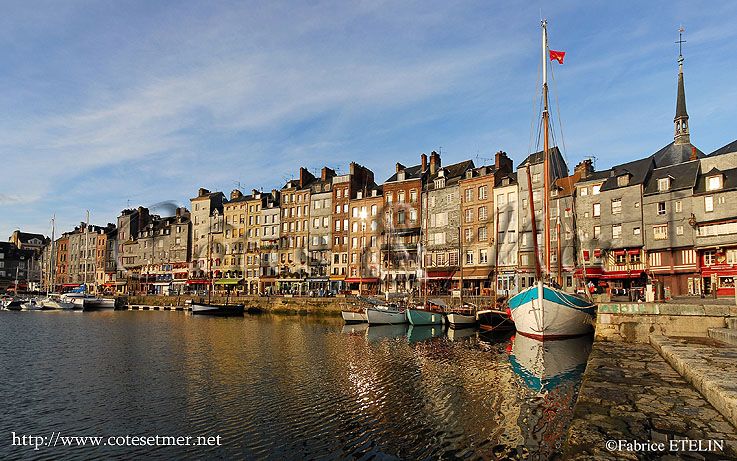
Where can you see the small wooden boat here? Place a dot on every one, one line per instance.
(458, 320)
(217, 309)
(385, 315)
(494, 319)
(351, 317)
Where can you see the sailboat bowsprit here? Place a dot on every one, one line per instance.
(544, 311)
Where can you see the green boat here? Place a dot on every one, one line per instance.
(425, 317)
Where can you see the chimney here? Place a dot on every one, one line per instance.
(693, 156)
(502, 162)
(584, 168)
(202, 192)
(434, 162)
(326, 173)
(304, 176)
(235, 193)
(424, 162)
(400, 167)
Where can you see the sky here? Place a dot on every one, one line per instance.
(106, 105)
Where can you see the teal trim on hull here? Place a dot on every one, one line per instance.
(423, 317)
(555, 296)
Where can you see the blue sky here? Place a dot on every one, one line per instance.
(109, 104)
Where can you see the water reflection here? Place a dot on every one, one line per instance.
(284, 387)
(417, 333)
(379, 332)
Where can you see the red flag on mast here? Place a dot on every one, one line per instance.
(557, 56)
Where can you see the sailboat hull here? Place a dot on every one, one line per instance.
(379, 316)
(351, 317)
(461, 320)
(424, 317)
(557, 315)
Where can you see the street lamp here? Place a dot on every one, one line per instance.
(362, 215)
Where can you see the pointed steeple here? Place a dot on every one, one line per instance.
(681, 118)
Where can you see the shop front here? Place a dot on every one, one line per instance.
(440, 281)
(719, 278)
(476, 280)
(363, 285)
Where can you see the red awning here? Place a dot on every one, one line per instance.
(364, 279)
(197, 282)
(633, 252)
(443, 274)
(597, 253)
(590, 272)
(622, 275)
(619, 252)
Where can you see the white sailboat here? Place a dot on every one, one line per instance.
(543, 311)
(50, 302)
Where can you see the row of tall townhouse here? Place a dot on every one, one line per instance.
(430, 229)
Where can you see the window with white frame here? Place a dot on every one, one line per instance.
(597, 231)
(714, 182)
(616, 231)
(709, 203)
(483, 256)
(679, 230)
(678, 206)
(596, 190)
(482, 192)
(661, 208)
(660, 232)
(597, 209)
(584, 191)
(616, 206)
(663, 184)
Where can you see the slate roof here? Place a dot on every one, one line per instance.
(683, 176)
(412, 172)
(729, 181)
(596, 176)
(675, 153)
(25, 237)
(731, 147)
(499, 179)
(638, 171)
(558, 167)
(453, 173)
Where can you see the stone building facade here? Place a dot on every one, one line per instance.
(319, 244)
(366, 228)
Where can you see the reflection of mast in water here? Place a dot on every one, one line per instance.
(552, 373)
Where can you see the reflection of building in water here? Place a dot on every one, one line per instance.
(551, 374)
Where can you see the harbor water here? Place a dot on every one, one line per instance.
(283, 387)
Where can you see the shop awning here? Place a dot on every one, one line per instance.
(227, 281)
(317, 279)
(71, 285)
(474, 273)
(619, 252)
(590, 272)
(337, 277)
(440, 274)
(622, 275)
(198, 282)
(633, 252)
(364, 280)
(161, 284)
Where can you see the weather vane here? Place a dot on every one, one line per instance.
(680, 42)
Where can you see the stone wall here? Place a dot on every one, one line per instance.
(635, 322)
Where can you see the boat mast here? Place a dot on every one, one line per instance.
(51, 257)
(86, 248)
(496, 252)
(546, 147)
(460, 260)
(530, 195)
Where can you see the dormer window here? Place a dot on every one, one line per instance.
(663, 184)
(400, 176)
(439, 183)
(441, 173)
(714, 182)
(623, 180)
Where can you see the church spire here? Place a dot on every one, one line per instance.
(681, 118)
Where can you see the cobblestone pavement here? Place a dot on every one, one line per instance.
(630, 393)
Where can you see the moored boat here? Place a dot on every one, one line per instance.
(421, 316)
(351, 317)
(456, 320)
(216, 309)
(385, 315)
(545, 312)
(31, 305)
(93, 303)
(494, 319)
(52, 303)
